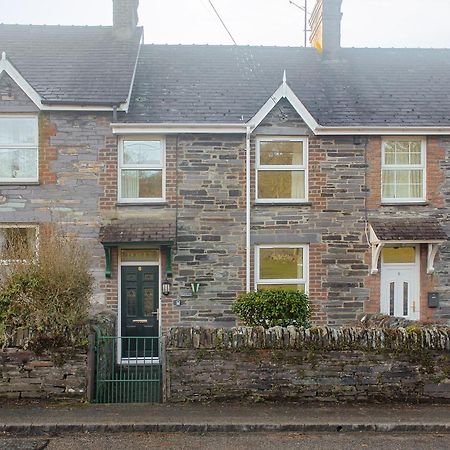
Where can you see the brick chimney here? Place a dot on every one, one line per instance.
(325, 25)
(125, 17)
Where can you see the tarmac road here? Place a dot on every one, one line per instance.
(232, 441)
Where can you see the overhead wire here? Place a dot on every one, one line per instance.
(222, 22)
(246, 59)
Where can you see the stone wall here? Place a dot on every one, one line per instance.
(321, 364)
(26, 375)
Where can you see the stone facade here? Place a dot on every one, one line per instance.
(344, 193)
(68, 191)
(12, 98)
(210, 245)
(205, 203)
(70, 172)
(331, 223)
(437, 188)
(321, 364)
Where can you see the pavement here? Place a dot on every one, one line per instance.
(37, 418)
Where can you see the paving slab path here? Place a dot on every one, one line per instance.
(43, 418)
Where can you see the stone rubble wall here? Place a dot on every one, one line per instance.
(320, 364)
(26, 375)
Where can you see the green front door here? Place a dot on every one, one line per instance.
(139, 310)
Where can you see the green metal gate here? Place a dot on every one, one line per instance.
(128, 370)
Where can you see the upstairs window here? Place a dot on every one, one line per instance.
(141, 170)
(18, 149)
(403, 170)
(281, 170)
(281, 267)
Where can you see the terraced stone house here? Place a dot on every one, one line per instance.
(196, 173)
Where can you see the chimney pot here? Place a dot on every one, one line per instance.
(125, 17)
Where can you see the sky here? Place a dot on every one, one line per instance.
(366, 23)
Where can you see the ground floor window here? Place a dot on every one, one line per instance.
(281, 267)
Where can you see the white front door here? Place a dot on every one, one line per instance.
(400, 284)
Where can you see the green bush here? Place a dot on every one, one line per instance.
(46, 294)
(271, 308)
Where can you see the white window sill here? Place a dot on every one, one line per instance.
(140, 203)
(19, 183)
(403, 202)
(282, 203)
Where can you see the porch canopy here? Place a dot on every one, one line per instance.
(137, 233)
(394, 231)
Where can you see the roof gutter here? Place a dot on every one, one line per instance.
(82, 107)
(177, 128)
(233, 128)
(386, 131)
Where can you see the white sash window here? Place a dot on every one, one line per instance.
(141, 170)
(281, 170)
(403, 170)
(18, 149)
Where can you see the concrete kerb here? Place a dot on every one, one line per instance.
(57, 429)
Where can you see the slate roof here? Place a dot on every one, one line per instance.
(229, 84)
(135, 231)
(408, 229)
(72, 64)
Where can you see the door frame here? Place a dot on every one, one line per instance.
(121, 264)
(416, 274)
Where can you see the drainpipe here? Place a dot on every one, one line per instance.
(247, 210)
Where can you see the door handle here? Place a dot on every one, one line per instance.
(140, 321)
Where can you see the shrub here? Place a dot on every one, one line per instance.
(46, 294)
(271, 308)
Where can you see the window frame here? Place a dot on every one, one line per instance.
(34, 179)
(272, 167)
(121, 166)
(276, 281)
(404, 167)
(6, 262)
